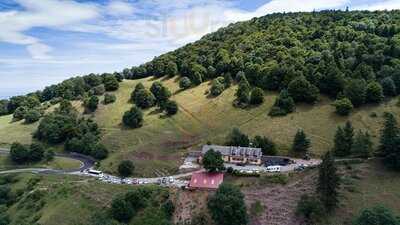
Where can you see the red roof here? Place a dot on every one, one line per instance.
(205, 180)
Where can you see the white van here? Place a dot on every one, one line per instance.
(274, 169)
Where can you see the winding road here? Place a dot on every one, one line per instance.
(86, 163)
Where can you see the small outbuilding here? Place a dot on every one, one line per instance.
(206, 181)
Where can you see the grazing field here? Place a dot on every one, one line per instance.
(11, 131)
(159, 146)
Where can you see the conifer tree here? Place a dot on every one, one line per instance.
(390, 142)
(363, 145)
(343, 141)
(301, 143)
(389, 134)
(328, 182)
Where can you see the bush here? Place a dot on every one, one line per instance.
(310, 208)
(133, 118)
(19, 153)
(91, 103)
(100, 152)
(125, 168)
(303, 91)
(343, 106)
(111, 83)
(389, 87)
(267, 146)
(121, 210)
(283, 105)
(257, 96)
(109, 98)
(32, 116)
(217, 87)
(237, 138)
(20, 113)
(227, 206)
(374, 93)
(171, 108)
(99, 90)
(356, 91)
(36, 152)
(185, 83)
(49, 155)
(144, 99)
(377, 215)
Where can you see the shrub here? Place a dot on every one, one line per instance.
(111, 83)
(109, 98)
(343, 106)
(20, 113)
(374, 93)
(377, 215)
(257, 96)
(133, 118)
(237, 138)
(228, 197)
(99, 90)
(303, 91)
(283, 105)
(125, 168)
(185, 83)
(144, 99)
(32, 116)
(36, 152)
(356, 91)
(121, 210)
(49, 155)
(91, 103)
(256, 208)
(100, 152)
(171, 108)
(267, 146)
(217, 87)
(19, 153)
(389, 87)
(310, 208)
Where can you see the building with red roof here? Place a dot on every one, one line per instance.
(204, 180)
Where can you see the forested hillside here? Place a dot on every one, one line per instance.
(334, 52)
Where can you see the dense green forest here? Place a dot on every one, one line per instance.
(340, 54)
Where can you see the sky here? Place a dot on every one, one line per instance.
(43, 42)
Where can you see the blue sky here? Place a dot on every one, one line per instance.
(46, 41)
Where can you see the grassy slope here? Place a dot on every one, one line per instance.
(367, 185)
(57, 163)
(67, 200)
(203, 119)
(159, 145)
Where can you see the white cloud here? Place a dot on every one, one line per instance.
(39, 51)
(43, 13)
(384, 5)
(120, 8)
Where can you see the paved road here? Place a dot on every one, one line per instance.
(86, 163)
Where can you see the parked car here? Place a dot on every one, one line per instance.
(274, 169)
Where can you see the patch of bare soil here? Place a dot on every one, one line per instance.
(280, 201)
(189, 204)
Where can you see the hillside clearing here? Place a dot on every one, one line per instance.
(159, 146)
